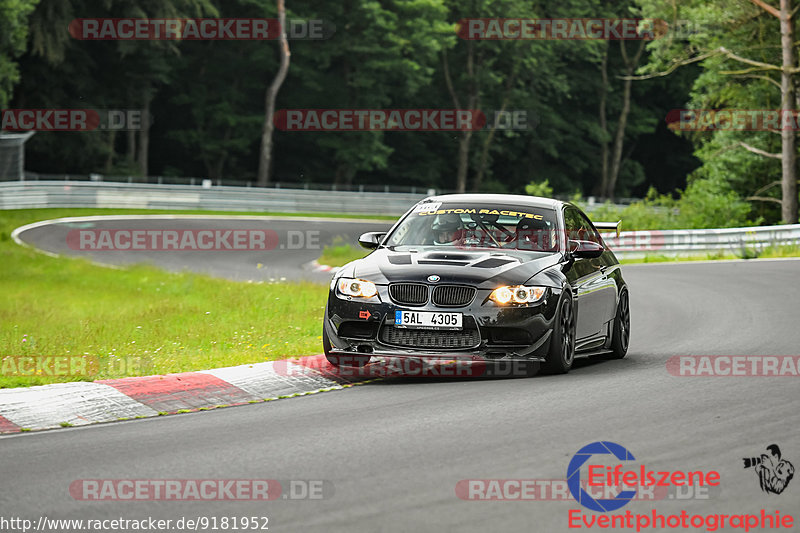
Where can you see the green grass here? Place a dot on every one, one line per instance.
(142, 320)
(340, 253)
(771, 252)
(780, 251)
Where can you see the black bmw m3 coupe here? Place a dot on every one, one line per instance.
(485, 278)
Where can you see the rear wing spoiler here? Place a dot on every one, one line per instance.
(611, 226)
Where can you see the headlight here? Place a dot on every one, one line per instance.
(517, 294)
(359, 288)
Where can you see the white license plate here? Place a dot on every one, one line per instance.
(427, 320)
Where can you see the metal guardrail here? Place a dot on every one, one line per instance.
(187, 180)
(69, 193)
(590, 203)
(630, 244)
(34, 194)
(742, 242)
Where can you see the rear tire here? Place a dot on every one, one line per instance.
(562, 346)
(622, 327)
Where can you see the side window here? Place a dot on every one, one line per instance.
(573, 223)
(400, 234)
(578, 227)
(591, 233)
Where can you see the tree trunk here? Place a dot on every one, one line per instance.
(344, 175)
(622, 123)
(487, 143)
(463, 161)
(788, 139)
(144, 134)
(217, 167)
(112, 141)
(472, 101)
(131, 152)
(601, 111)
(265, 159)
(484, 158)
(619, 141)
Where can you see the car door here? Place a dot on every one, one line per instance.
(606, 287)
(592, 287)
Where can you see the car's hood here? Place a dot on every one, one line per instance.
(487, 267)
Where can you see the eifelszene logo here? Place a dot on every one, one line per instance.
(610, 467)
(574, 476)
(774, 473)
(618, 477)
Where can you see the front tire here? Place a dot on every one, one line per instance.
(622, 327)
(562, 346)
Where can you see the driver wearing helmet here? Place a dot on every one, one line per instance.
(447, 229)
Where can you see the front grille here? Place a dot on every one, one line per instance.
(453, 295)
(409, 293)
(423, 338)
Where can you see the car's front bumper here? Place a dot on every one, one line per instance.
(496, 333)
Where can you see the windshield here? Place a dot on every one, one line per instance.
(477, 226)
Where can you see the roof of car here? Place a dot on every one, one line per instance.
(508, 199)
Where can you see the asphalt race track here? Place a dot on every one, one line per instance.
(298, 241)
(392, 452)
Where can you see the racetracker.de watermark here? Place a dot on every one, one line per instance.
(337, 120)
(379, 119)
(180, 490)
(71, 120)
(197, 29)
(352, 366)
(733, 119)
(82, 366)
(557, 490)
(734, 365)
(617, 29)
(196, 240)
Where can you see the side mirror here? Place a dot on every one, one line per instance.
(371, 240)
(585, 249)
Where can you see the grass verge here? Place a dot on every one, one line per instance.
(140, 320)
(340, 253)
(771, 252)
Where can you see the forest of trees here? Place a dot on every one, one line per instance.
(596, 109)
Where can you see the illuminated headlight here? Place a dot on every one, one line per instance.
(357, 287)
(517, 294)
